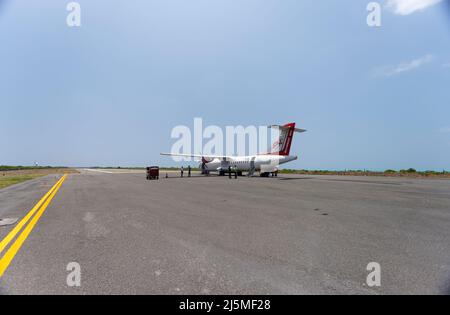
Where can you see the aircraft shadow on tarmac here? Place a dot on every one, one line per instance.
(226, 177)
(294, 178)
(162, 177)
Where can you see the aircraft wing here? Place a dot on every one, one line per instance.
(200, 156)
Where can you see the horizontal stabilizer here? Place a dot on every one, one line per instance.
(287, 127)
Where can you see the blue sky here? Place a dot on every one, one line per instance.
(110, 91)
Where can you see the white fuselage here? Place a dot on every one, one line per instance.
(264, 163)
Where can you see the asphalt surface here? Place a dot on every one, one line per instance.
(213, 235)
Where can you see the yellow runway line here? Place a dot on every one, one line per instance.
(15, 247)
(22, 222)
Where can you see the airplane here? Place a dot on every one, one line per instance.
(266, 164)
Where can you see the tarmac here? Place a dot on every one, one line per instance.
(293, 234)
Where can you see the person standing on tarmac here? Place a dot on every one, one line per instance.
(189, 171)
(182, 171)
(229, 171)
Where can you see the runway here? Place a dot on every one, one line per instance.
(213, 235)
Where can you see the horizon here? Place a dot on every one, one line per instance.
(196, 165)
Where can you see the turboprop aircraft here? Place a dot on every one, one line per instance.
(265, 164)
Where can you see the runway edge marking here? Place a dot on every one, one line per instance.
(22, 222)
(6, 260)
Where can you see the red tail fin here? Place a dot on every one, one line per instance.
(282, 146)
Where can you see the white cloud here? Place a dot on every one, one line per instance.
(388, 71)
(406, 7)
